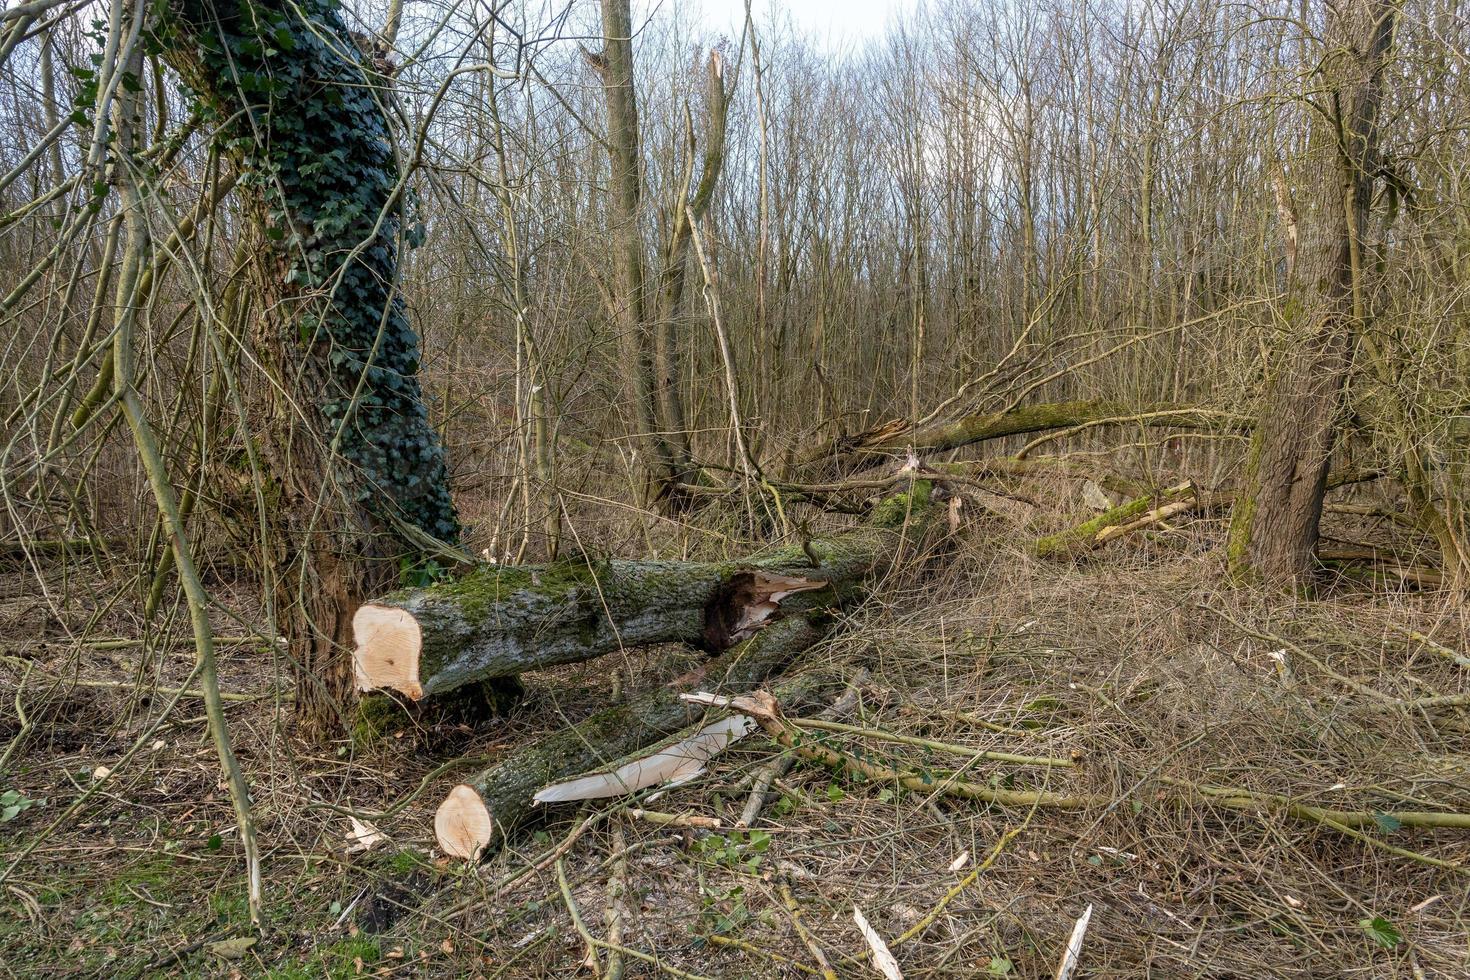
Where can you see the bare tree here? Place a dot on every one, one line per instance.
(1274, 530)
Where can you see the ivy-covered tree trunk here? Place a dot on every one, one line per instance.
(354, 476)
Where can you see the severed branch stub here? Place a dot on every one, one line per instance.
(462, 824)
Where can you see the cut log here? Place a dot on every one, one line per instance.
(501, 621)
(487, 808)
(462, 824)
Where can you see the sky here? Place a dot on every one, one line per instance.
(833, 23)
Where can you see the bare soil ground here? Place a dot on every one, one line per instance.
(1136, 666)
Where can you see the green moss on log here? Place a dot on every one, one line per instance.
(880, 444)
(621, 730)
(900, 508)
(1084, 535)
(499, 621)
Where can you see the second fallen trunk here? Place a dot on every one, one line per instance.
(493, 804)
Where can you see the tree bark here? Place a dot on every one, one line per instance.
(501, 621)
(1273, 533)
(869, 448)
(624, 212)
(673, 419)
(492, 805)
(354, 482)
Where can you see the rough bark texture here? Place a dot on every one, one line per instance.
(624, 210)
(871, 447)
(506, 789)
(1273, 533)
(501, 621)
(354, 475)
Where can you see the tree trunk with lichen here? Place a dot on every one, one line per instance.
(501, 621)
(1273, 531)
(487, 808)
(351, 482)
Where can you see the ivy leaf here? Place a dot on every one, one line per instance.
(1387, 822)
(1381, 931)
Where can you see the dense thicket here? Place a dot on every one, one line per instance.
(996, 205)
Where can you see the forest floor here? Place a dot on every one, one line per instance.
(1136, 665)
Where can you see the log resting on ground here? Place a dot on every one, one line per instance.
(1152, 509)
(489, 807)
(871, 447)
(1113, 522)
(501, 621)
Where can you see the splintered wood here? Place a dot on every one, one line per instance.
(757, 597)
(679, 763)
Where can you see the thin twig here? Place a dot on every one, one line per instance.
(807, 939)
(591, 940)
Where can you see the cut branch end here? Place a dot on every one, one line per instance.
(388, 642)
(462, 824)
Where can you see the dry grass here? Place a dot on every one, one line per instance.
(1118, 663)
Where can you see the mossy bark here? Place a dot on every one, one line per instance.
(867, 448)
(616, 732)
(1085, 535)
(1273, 535)
(500, 621)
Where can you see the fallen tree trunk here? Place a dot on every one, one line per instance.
(876, 444)
(500, 621)
(1111, 523)
(1378, 566)
(492, 805)
(1150, 510)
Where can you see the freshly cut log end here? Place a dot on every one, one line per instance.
(501, 621)
(462, 824)
(388, 642)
